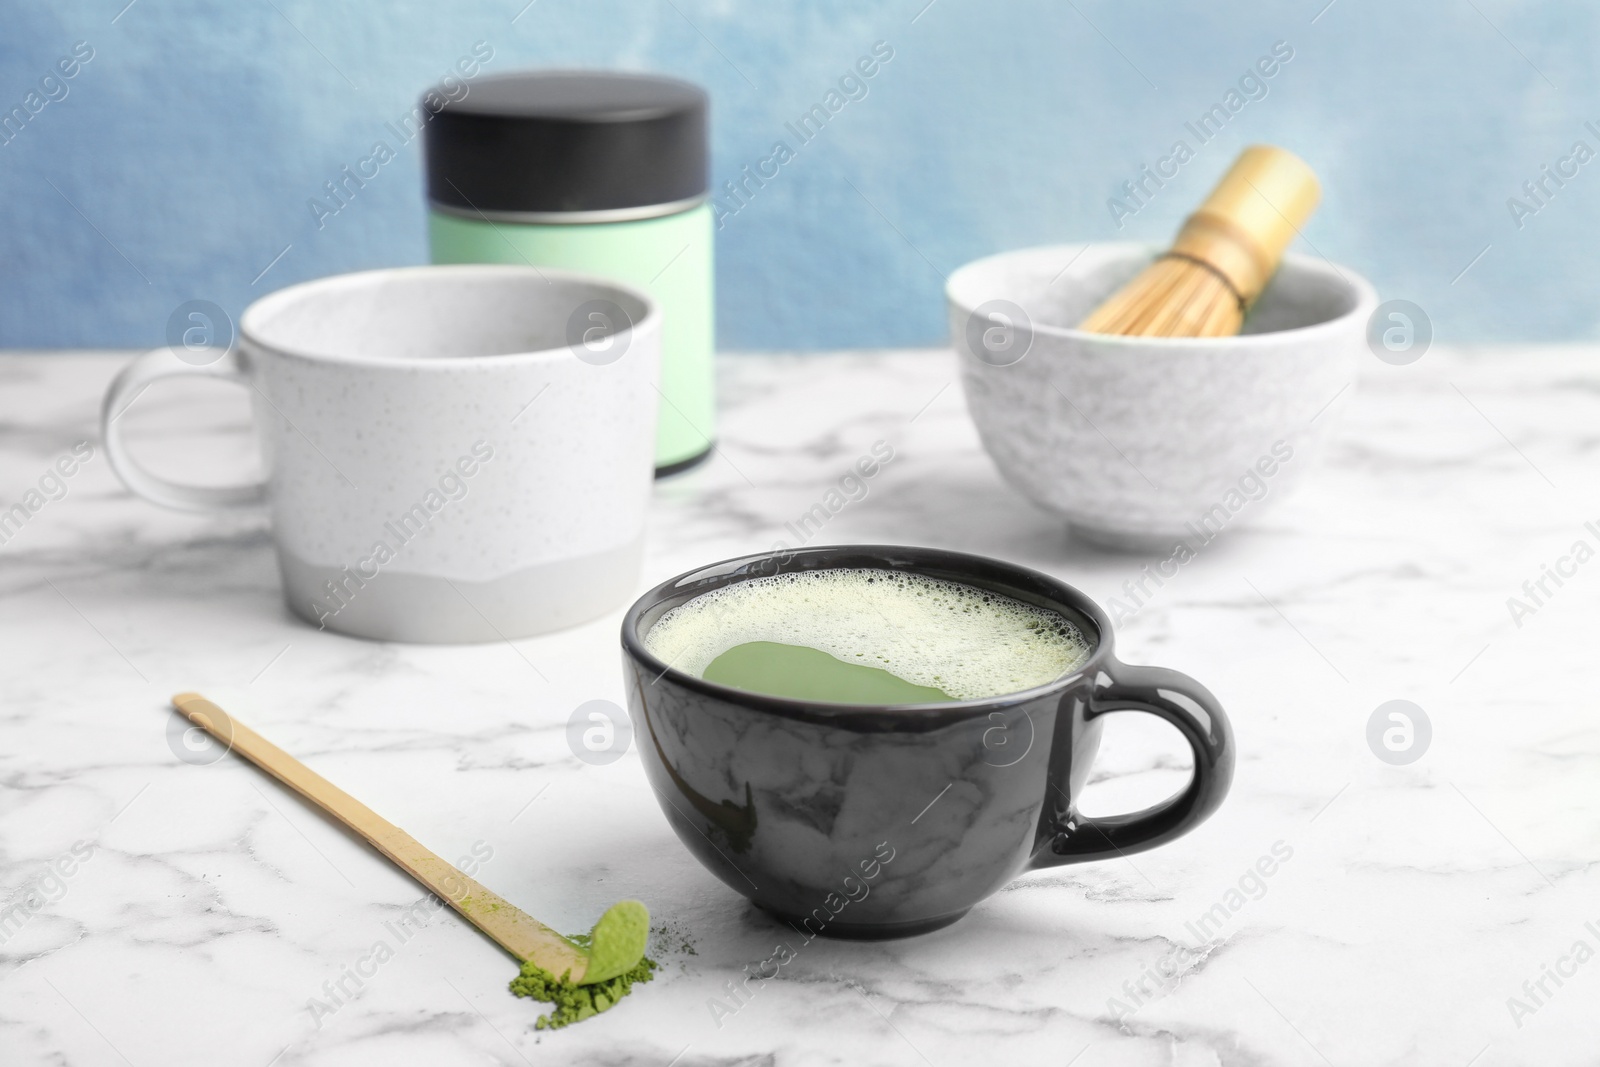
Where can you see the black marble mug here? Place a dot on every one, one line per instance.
(885, 821)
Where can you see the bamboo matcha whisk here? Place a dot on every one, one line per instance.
(1224, 255)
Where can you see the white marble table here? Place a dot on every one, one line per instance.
(1415, 902)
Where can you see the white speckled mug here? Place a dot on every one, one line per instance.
(1145, 442)
(454, 453)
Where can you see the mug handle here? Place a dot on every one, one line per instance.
(1189, 706)
(125, 388)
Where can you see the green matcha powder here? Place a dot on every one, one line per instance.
(575, 1003)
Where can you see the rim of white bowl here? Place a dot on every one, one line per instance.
(1366, 298)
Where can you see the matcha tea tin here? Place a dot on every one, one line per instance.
(599, 172)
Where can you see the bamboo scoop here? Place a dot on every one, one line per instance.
(1223, 257)
(618, 939)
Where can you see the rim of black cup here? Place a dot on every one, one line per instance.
(982, 572)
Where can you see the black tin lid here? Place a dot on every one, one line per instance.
(560, 143)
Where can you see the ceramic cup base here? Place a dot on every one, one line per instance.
(1114, 540)
(868, 931)
(422, 609)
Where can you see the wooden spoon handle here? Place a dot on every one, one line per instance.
(514, 930)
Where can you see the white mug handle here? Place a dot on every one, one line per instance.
(164, 363)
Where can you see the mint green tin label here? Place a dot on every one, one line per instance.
(669, 257)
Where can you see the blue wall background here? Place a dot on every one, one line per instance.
(181, 161)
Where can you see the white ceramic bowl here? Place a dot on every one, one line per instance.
(1145, 442)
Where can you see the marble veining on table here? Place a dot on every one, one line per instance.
(1408, 912)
